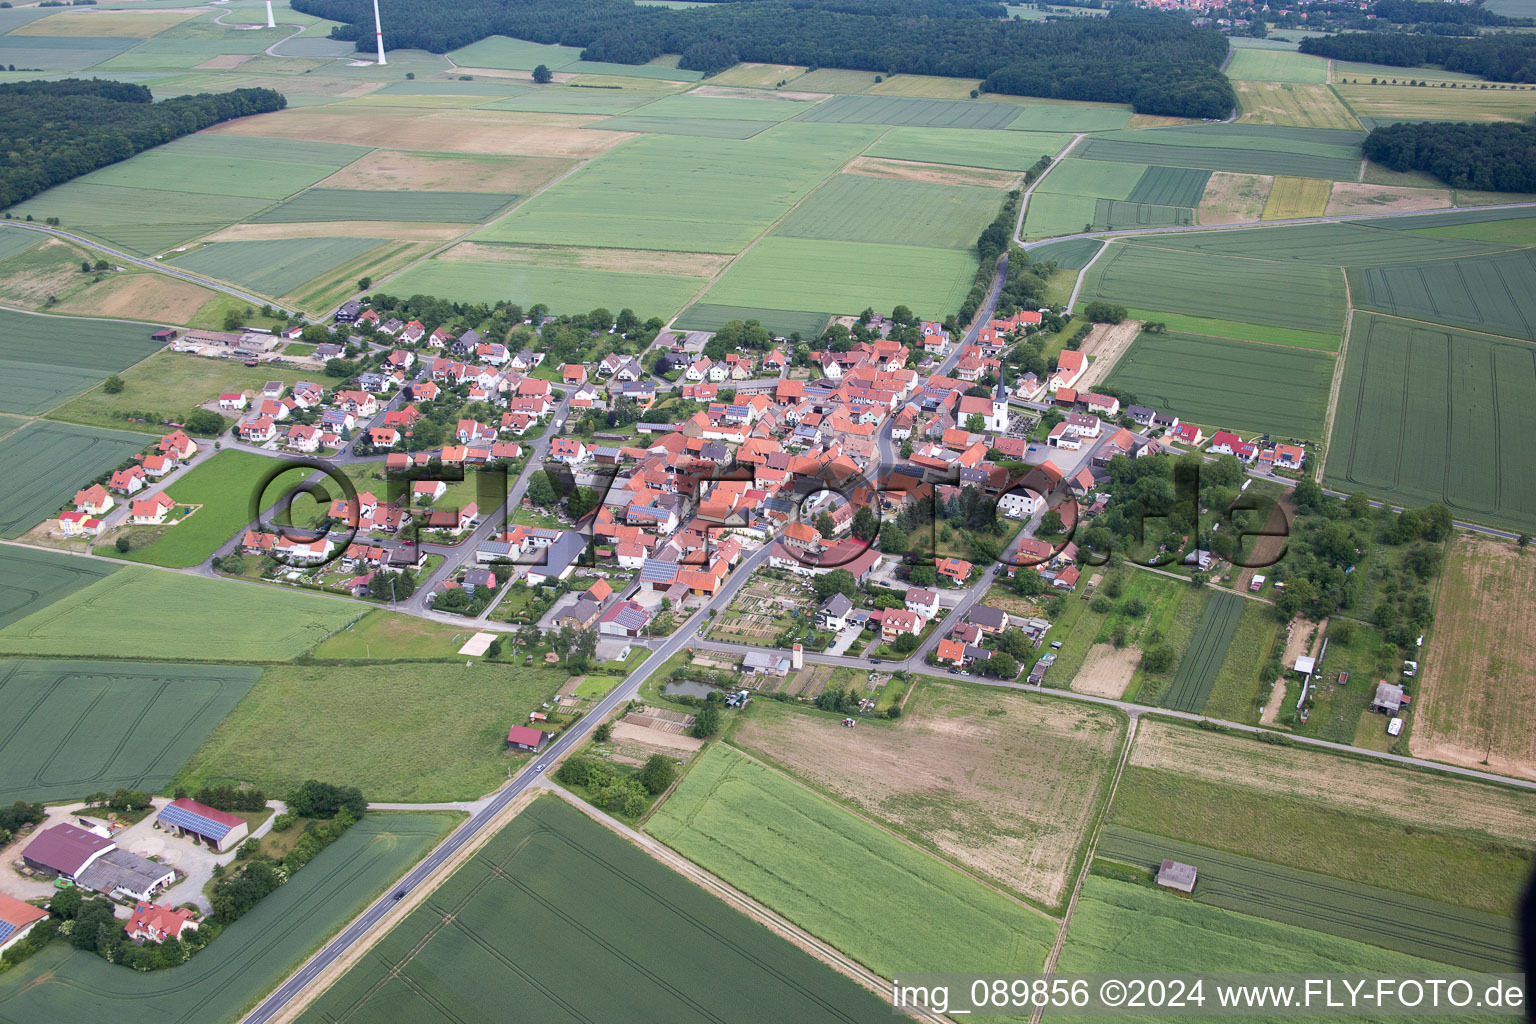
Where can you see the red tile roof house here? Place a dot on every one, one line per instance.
(150, 922)
(523, 737)
(951, 651)
(956, 569)
(16, 919)
(80, 524)
(94, 499)
(899, 622)
(152, 511)
(1187, 433)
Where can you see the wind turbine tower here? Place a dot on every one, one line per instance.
(271, 23)
(378, 32)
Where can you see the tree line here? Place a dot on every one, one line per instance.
(1159, 63)
(52, 132)
(1497, 157)
(1503, 56)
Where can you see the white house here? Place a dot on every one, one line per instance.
(1019, 504)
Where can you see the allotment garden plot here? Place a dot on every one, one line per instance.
(78, 727)
(763, 610)
(1430, 414)
(43, 465)
(640, 934)
(936, 773)
(250, 957)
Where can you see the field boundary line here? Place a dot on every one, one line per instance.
(1082, 275)
(781, 926)
(1049, 970)
(1062, 154)
(338, 968)
(1447, 327)
(889, 831)
(1337, 385)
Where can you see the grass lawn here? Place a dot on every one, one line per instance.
(784, 845)
(386, 636)
(250, 957)
(421, 733)
(169, 385)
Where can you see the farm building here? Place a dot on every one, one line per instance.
(523, 737)
(1173, 875)
(120, 873)
(65, 850)
(16, 919)
(220, 830)
(768, 663)
(1388, 699)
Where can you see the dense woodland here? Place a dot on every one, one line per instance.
(1492, 157)
(51, 132)
(1159, 63)
(1502, 56)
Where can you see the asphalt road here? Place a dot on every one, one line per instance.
(575, 735)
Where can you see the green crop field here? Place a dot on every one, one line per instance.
(170, 384)
(141, 220)
(514, 54)
(640, 933)
(1196, 674)
(573, 101)
(229, 165)
(684, 194)
(223, 489)
(250, 957)
(1073, 255)
(323, 204)
(1277, 66)
(415, 732)
(705, 316)
(44, 464)
(274, 266)
(1431, 414)
(1362, 243)
(1350, 910)
(1492, 294)
(60, 53)
(139, 612)
(1111, 214)
(1119, 926)
(45, 359)
(1294, 296)
(1043, 116)
(31, 579)
(784, 845)
(1049, 215)
(562, 289)
(690, 106)
(1170, 186)
(1181, 148)
(1242, 386)
(697, 127)
(76, 727)
(904, 110)
(1236, 694)
(858, 208)
(963, 147)
(846, 277)
(1101, 179)
(15, 241)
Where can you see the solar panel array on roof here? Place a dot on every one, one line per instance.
(655, 571)
(190, 820)
(6, 931)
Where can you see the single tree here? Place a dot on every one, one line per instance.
(543, 75)
(113, 385)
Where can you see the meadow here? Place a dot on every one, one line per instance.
(1395, 435)
(859, 208)
(45, 359)
(962, 147)
(251, 956)
(1196, 672)
(330, 204)
(564, 289)
(416, 732)
(913, 112)
(1292, 105)
(1398, 102)
(710, 316)
(846, 277)
(44, 464)
(384, 636)
(1266, 293)
(171, 384)
(139, 612)
(1277, 66)
(1459, 841)
(274, 266)
(640, 932)
(32, 579)
(223, 487)
(1121, 926)
(934, 775)
(1489, 294)
(78, 727)
(790, 849)
(683, 194)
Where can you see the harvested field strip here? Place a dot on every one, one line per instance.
(1170, 186)
(638, 930)
(1399, 434)
(1196, 674)
(1350, 910)
(79, 727)
(31, 580)
(786, 846)
(44, 463)
(323, 204)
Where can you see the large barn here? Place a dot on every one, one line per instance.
(221, 830)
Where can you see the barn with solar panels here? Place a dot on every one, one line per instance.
(16, 919)
(220, 830)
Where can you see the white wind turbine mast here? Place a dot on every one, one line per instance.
(271, 23)
(378, 31)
